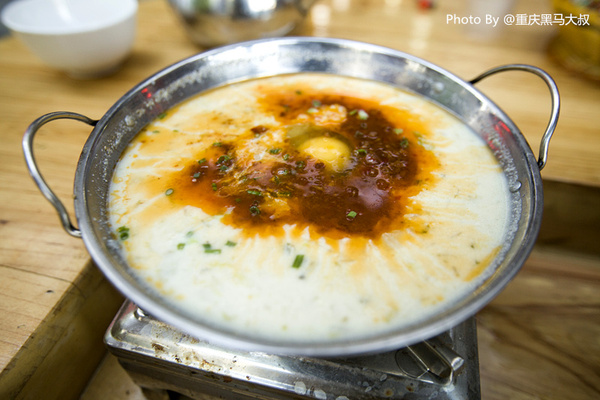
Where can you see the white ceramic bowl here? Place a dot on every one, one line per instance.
(84, 38)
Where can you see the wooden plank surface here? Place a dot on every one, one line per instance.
(536, 339)
(40, 264)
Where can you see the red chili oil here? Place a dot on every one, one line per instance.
(368, 197)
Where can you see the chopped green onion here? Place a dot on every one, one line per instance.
(196, 175)
(254, 210)
(202, 161)
(230, 243)
(254, 192)
(298, 261)
(362, 152)
(169, 192)
(351, 214)
(352, 112)
(420, 138)
(209, 250)
(180, 246)
(398, 131)
(217, 144)
(214, 186)
(312, 110)
(274, 151)
(162, 115)
(404, 143)
(316, 103)
(123, 232)
(286, 157)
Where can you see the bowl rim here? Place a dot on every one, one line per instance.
(123, 10)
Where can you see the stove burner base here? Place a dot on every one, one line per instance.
(168, 364)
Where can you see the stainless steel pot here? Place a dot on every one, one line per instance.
(220, 22)
(238, 62)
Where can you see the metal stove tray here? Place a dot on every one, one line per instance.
(159, 358)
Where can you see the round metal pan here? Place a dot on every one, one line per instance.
(269, 57)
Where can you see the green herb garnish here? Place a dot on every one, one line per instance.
(351, 214)
(298, 261)
(123, 232)
(169, 192)
(209, 250)
(223, 158)
(254, 210)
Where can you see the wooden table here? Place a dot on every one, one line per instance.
(538, 339)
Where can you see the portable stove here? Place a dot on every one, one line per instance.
(164, 361)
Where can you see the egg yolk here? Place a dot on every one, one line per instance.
(332, 152)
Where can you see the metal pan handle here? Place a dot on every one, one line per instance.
(555, 97)
(35, 172)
